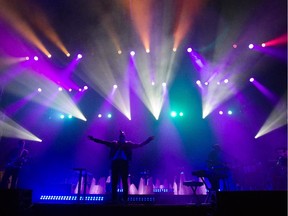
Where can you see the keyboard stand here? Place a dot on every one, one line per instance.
(194, 185)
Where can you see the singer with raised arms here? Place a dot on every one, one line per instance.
(120, 155)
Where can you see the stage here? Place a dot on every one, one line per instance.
(19, 202)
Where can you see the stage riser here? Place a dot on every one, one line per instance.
(19, 203)
(243, 202)
(158, 199)
(14, 202)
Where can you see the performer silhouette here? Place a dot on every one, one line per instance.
(120, 154)
(17, 158)
(217, 168)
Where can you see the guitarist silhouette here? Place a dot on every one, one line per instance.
(17, 158)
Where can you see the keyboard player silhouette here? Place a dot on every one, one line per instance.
(216, 170)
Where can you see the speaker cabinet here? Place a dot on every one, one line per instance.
(13, 201)
(248, 202)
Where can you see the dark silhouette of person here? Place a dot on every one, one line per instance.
(17, 158)
(120, 154)
(217, 168)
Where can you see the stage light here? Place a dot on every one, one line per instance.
(68, 54)
(276, 119)
(132, 53)
(251, 79)
(174, 49)
(152, 83)
(36, 58)
(234, 46)
(251, 46)
(62, 116)
(99, 115)
(85, 87)
(119, 52)
(39, 90)
(198, 82)
(263, 44)
(226, 81)
(189, 49)
(206, 83)
(109, 115)
(10, 128)
(230, 112)
(173, 114)
(164, 84)
(218, 83)
(220, 112)
(49, 56)
(115, 86)
(73, 198)
(60, 89)
(69, 116)
(70, 90)
(147, 50)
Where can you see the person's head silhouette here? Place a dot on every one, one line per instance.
(21, 144)
(122, 137)
(216, 147)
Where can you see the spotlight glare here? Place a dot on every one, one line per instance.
(36, 58)
(173, 114)
(27, 58)
(251, 46)
(206, 83)
(198, 82)
(39, 90)
(181, 114)
(221, 112)
(60, 89)
(68, 54)
(234, 46)
(251, 79)
(70, 90)
(109, 115)
(152, 83)
(132, 53)
(263, 44)
(229, 112)
(189, 49)
(163, 84)
(174, 49)
(119, 52)
(79, 56)
(115, 86)
(49, 56)
(85, 87)
(147, 50)
(226, 81)
(99, 115)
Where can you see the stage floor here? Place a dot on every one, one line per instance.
(19, 203)
(41, 209)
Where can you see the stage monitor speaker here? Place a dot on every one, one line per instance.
(248, 202)
(14, 200)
